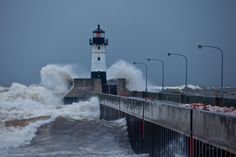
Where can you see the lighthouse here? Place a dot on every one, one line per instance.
(98, 63)
(98, 81)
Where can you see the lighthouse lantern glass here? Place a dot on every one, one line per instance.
(98, 35)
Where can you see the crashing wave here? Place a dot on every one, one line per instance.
(22, 107)
(134, 77)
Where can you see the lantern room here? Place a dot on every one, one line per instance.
(98, 37)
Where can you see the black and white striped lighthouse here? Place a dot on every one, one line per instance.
(98, 64)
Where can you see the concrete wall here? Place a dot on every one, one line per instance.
(80, 89)
(83, 86)
(181, 98)
(154, 140)
(216, 129)
(169, 115)
(97, 85)
(121, 87)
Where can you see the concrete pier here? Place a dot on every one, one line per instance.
(156, 127)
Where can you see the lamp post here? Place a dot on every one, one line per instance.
(186, 66)
(146, 71)
(163, 70)
(142, 124)
(222, 65)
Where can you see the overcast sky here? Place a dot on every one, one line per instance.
(34, 33)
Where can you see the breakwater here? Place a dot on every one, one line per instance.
(163, 128)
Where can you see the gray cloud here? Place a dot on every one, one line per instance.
(35, 33)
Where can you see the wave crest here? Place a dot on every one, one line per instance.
(134, 77)
(57, 78)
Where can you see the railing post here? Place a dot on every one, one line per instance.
(142, 126)
(191, 140)
(119, 109)
(143, 123)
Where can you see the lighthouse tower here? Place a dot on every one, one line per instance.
(98, 64)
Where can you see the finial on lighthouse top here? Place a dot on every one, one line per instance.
(98, 37)
(98, 30)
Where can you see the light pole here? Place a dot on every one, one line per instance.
(222, 65)
(186, 66)
(146, 71)
(163, 70)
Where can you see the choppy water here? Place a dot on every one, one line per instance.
(68, 137)
(72, 130)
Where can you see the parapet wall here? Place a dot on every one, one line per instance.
(80, 89)
(83, 87)
(216, 129)
(182, 98)
(171, 116)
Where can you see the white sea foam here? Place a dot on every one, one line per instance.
(81, 110)
(121, 123)
(23, 102)
(190, 86)
(57, 77)
(134, 77)
(16, 136)
(3, 89)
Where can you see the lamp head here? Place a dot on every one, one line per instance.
(199, 46)
(134, 63)
(148, 59)
(169, 54)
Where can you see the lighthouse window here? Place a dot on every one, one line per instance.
(98, 58)
(98, 34)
